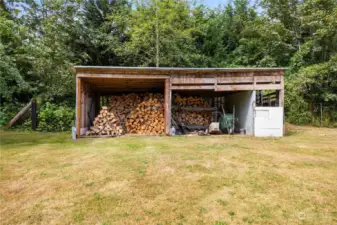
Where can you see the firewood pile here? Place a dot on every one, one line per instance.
(190, 101)
(201, 118)
(106, 123)
(122, 105)
(148, 117)
(131, 113)
(189, 111)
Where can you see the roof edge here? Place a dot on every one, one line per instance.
(184, 68)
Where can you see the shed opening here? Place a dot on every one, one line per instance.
(194, 111)
(113, 107)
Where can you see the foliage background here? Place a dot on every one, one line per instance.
(40, 41)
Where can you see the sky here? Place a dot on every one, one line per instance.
(214, 3)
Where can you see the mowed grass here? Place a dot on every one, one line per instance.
(49, 179)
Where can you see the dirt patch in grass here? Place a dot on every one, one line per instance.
(49, 179)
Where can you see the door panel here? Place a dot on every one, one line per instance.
(268, 121)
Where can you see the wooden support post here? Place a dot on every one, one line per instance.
(34, 117)
(281, 100)
(167, 110)
(78, 106)
(281, 93)
(84, 112)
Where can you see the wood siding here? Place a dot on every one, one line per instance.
(231, 81)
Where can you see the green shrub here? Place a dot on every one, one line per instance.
(4, 116)
(311, 96)
(54, 117)
(7, 112)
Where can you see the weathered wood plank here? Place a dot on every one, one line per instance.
(193, 87)
(281, 93)
(132, 85)
(193, 75)
(233, 79)
(167, 111)
(192, 80)
(83, 104)
(124, 76)
(235, 87)
(268, 78)
(235, 74)
(268, 87)
(243, 87)
(78, 106)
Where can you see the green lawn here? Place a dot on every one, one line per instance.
(49, 179)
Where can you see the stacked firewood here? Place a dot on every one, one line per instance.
(148, 117)
(190, 101)
(202, 118)
(122, 105)
(106, 123)
(189, 110)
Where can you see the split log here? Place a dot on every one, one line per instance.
(106, 123)
(148, 116)
(122, 105)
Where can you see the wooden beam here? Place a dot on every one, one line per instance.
(167, 110)
(268, 87)
(193, 87)
(268, 78)
(235, 87)
(192, 80)
(78, 106)
(281, 93)
(235, 79)
(122, 76)
(84, 113)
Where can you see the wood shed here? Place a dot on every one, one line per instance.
(255, 95)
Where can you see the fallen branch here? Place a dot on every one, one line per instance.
(20, 114)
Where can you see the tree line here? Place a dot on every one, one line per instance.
(40, 42)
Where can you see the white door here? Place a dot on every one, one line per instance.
(268, 121)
